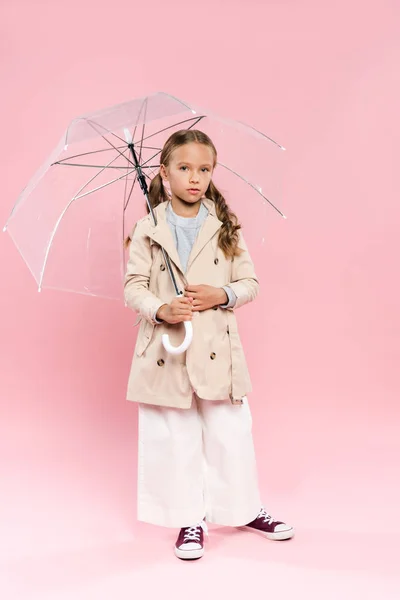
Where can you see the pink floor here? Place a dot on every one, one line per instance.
(69, 529)
(119, 564)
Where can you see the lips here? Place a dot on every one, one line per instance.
(193, 190)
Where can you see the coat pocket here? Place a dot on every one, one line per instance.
(145, 335)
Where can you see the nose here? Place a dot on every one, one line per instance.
(194, 178)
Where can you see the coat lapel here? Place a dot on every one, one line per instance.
(207, 231)
(162, 234)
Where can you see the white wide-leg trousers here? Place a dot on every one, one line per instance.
(195, 463)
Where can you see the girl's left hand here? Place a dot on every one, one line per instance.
(205, 296)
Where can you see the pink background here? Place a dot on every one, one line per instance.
(322, 79)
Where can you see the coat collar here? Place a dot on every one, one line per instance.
(161, 233)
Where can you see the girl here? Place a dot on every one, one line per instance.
(196, 455)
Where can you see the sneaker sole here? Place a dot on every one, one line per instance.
(189, 554)
(279, 535)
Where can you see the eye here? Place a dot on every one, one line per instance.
(204, 168)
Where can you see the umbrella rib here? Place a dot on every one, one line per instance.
(64, 164)
(108, 141)
(144, 104)
(86, 154)
(60, 219)
(76, 197)
(126, 183)
(93, 123)
(197, 119)
(146, 175)
(241, 122)
(100, 187)
(177, 99)
(256, 188)
(159, 149)
(143, 165)
(61, 162)
(261, 133)
(130, 193)
(126, 202)
(143, 128)
(141, 142)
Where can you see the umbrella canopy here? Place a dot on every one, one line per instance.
(70, 221)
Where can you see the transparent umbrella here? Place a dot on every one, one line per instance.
(70, 221)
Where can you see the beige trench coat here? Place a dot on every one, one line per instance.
(214, 365)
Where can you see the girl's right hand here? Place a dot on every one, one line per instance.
(178, 311)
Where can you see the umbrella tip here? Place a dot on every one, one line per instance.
(128, 135)
(283, 148)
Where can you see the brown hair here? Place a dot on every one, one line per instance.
(229, 231)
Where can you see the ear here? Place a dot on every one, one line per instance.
(163, 172)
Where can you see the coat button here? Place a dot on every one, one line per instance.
(160, 362)
(212, 355)
(162, 267)
(216, 261)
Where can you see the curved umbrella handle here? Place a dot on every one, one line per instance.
(185, 344)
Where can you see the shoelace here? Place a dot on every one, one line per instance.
(264, 515)
(193, 533)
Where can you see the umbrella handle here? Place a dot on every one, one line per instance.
(185, 344)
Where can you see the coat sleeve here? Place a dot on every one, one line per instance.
(244, 281)
(136, 285)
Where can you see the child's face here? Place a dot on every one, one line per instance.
(190, 166)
